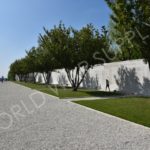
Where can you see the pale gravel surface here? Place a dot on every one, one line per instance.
(62, 125)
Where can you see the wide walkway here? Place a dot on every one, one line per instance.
(33, 121)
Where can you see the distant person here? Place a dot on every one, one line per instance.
(2, 79)
(107, 85)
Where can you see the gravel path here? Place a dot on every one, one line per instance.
(35, 121)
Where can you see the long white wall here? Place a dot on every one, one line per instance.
(128, 76)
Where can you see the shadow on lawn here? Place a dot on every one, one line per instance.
(103, 93)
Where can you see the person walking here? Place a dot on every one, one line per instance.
(2, 79)
(107, 85)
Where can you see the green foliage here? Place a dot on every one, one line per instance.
(141, 22)
(20, 68)
(11, 76)
(124, 20)
(74, 49)
(61, 47)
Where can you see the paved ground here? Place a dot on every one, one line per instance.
(61, 125)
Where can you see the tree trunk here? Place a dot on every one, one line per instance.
(48, 77)
(75, 89)
(44, 78)
(21, 77)
(25, 78)
(18, 77)
(75, 82)
(34, 77)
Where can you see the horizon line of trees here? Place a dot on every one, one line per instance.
(76, 51)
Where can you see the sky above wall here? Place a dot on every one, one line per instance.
(21, 22)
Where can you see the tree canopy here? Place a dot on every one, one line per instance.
(65, 47)
(131, 27)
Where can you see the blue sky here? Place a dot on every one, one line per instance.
(21, 21)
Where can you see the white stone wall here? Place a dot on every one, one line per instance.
(128, 76)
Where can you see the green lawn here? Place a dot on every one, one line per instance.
(133, 109)
(67, 93)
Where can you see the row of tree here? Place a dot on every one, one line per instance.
(78, 50)
(64, 47)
